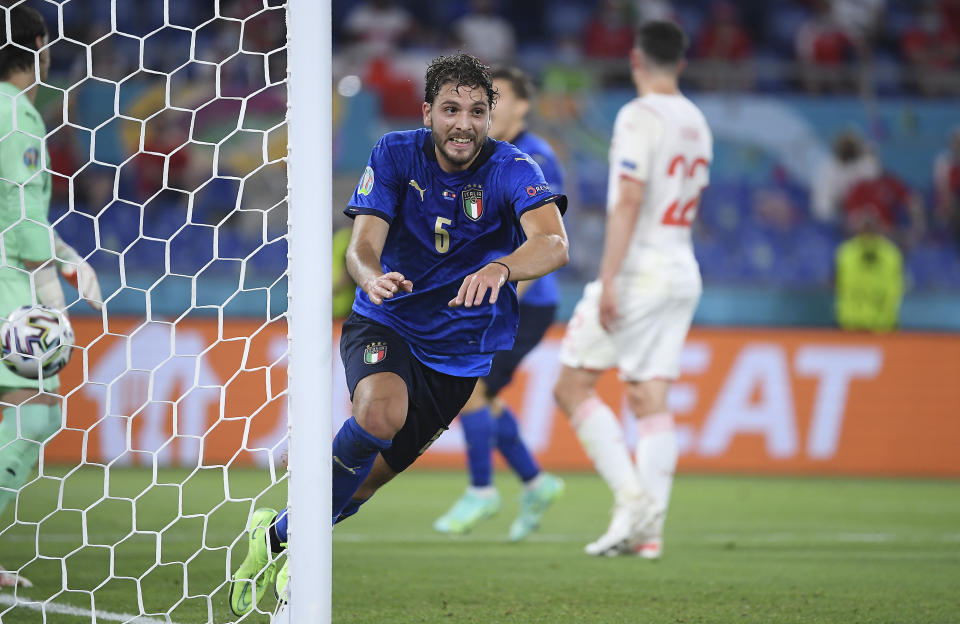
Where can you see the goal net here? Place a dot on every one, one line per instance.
(167, 145)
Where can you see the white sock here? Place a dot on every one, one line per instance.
(657, 455)
(601, 436)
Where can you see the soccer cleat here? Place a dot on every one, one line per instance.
(650, 549)
(258, 568)
(13, 579)
(467, 513)
(533, 504)
(634, 522)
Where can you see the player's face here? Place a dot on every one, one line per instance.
(460, 120)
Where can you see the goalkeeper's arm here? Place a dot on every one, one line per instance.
(78, 272)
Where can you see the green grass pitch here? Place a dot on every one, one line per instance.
(738, 549)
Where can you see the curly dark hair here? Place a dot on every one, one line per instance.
(462, 69)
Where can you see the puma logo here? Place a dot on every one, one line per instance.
(416, 185)
(352, 471)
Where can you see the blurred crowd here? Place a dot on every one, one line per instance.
(817, 46)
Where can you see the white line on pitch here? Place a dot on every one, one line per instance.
(65, 609)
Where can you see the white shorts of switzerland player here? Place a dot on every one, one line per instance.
(647, 340)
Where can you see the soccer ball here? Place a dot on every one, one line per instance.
(36, 339)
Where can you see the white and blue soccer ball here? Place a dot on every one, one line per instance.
(36, 340)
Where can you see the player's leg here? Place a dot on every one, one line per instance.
(379, 476)
(588, 349)
(23, 430)
(481, 499)
(656, 453)
(658, 326)
(540, 489)
(379, 391)
(535, 320)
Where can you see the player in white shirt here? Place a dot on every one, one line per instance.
(636, 315)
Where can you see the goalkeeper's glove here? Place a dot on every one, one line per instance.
(79, 273)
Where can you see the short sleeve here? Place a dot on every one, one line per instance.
(637, 133)
(525, 187)
(551, 170)
(378, 192)
(24, 193)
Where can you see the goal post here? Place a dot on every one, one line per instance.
(309, 167)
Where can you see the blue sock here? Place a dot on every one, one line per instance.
(353, 453)
(512, 447)
(278, 534)
(478, 433)
(352, 507)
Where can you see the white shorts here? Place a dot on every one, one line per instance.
(647, 341)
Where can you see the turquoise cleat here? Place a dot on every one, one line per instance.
(258, 568)
(534, 504)
(467, 513)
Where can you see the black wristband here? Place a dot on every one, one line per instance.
(504, 266)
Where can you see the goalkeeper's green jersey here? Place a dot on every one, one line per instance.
(24, 207)
(24, 182)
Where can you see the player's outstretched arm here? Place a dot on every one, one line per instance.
(79, 273)
(363, 260)
(545, 250)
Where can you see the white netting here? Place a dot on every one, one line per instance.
(166, 134)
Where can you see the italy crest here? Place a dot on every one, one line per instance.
(472, 202)
(375, 353)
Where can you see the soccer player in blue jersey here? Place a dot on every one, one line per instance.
(486, 421)
(445, 219)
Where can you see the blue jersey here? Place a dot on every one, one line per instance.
(443, 227)
(544, 291)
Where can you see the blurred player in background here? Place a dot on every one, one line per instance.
(444, 219)
(31, 250)
(487, 421)
(636, 315)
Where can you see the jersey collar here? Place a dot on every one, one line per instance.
(486, 152)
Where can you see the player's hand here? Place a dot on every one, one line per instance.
(475, 286)
(609, 314)
(81, 276)
(384, 286)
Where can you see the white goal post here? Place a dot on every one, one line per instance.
(310, 166)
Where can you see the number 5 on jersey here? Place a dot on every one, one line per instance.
(684, 209)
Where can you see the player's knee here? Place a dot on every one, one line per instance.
(646, 399)
(380, 405)
(382, 417)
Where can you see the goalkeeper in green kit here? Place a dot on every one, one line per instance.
(31, 250)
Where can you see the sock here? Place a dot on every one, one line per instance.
(278, 532)
(602, 439)
(353, 453)
(478, 433)
(352, 507)
(20, 451)
(513, 449)
(657, 455)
